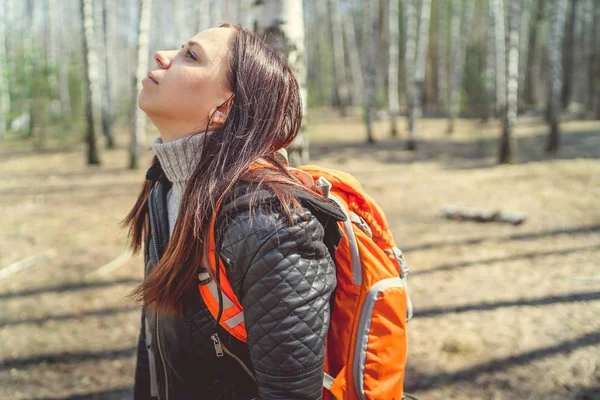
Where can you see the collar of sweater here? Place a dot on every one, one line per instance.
(179, 158)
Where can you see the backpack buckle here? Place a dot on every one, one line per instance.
(401, 262)
(323, 186)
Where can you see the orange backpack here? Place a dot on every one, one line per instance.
(367, 340)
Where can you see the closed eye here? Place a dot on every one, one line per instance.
(189, 54)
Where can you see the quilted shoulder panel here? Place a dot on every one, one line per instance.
(284, 276)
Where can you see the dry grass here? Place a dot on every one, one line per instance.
(503, 312)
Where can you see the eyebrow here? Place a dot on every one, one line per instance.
(192, 43)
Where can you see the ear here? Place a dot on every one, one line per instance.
(218, 115)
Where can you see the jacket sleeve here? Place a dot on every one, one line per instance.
(284, 276)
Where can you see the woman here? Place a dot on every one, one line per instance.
(223, 102)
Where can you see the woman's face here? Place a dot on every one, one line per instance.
(187, 84)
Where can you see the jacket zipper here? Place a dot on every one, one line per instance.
(158, 343)
(220, 349)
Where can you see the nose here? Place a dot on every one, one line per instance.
(163, 58)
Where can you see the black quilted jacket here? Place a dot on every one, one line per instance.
(284, 277)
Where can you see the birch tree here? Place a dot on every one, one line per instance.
(202, 9)
(442, 56)
(4, 88)
(103, 76)
(557, 27)
(500, 50)
(370, 82)
(410, 55)
(458, 58)
(421, 66)
(533, 60)
(525, 21)
(508, 143)
(281, 22)
(355, 67)
(394, 50)
(92, 104)
(335, 20)
(583, 32)
(490, 63)
(138, 135)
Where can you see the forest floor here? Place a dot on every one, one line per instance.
(502, 311)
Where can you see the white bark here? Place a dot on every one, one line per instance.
(282, 19)
(353, 53)
(410, 55)
(458, 60)
(490, 62)
(202, 10)
(393, 66)
(420, 69)
(584, 13)
(442, 56)
(138, 134)
(92, 74)
(371, 67)
(525, 22)
(339, 64)
(498, 13)
(216, 13)
(508, 144)
(4, 87)
(557, 30)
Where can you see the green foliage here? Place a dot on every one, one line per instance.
(473, 85)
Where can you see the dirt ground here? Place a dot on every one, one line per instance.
(502, 311)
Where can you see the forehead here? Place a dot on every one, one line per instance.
(215, 41)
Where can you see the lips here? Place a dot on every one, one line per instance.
(152, 78)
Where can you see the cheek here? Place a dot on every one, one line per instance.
(191, 90)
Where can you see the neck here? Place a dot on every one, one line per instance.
(173, 129)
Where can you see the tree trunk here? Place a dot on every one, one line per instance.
(569, 50)
(138, 135)
(410, 55)
(595, 61)
(371, 53)
(4, 88)
(203, 12)
(394, 50)
(532, 64)
(557, 28)
(420, 69)
(339, 69)
(281, 23)
(442, 56)
(581, 47)
(353, 55)
(490, 63)
(216, 13)
(525, 22)
(459, 60)
(103, 52)
(93, 91)
(499, 35)
(508, 143)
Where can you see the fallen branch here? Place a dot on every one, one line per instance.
(456, 214)
(25, 263)
(111, 266)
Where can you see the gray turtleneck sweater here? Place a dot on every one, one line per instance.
(178, 160)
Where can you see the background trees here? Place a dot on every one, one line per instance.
(352, 57)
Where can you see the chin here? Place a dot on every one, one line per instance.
(145, 103)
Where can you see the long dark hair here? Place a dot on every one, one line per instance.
(265, 116)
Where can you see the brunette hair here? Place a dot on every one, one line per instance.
(265, 116)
